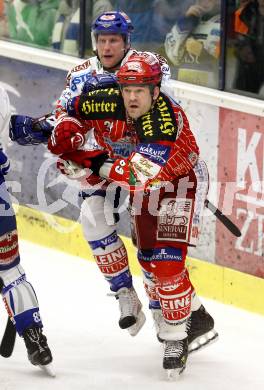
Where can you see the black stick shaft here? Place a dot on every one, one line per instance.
(223, 218)
(9, 336)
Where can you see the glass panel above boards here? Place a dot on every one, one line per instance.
(245, 48)
(186, 32)
(212, 43)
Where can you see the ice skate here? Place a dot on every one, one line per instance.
(48, 369)
(38, 350)
(200, 330)
(132, 317)
(159, 322)
(175, 357)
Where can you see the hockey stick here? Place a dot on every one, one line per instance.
(223, 218)
(43, 117)
(9, 336)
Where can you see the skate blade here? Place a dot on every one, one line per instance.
(174, 373)
(134, 329)
(48, 369)
(203, 341)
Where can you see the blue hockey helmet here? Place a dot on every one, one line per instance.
(112, 22)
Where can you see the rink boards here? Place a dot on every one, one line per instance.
(210, 280)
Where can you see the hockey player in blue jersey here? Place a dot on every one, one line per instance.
(18, 294)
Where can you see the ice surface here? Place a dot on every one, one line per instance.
(92, 353)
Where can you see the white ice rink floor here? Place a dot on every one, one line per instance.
(91, 352)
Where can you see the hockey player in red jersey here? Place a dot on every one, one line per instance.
(111, 37)
(18, 294)
(162, 177)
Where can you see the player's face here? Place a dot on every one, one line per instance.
(110, 49)
(138, 100)
(208, 5)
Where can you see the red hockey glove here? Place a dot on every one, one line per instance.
(67, 136)
(75, 171)
(120, 171)
(93, 159)
(71, 169)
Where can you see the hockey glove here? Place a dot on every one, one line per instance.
(70, 169)
(120, 172)
(29, 131)
(93, 159)
(73, 106)
(4, 162)
(100, 81)
(76, 172)
(68, 135)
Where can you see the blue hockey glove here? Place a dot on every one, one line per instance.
(29, 131)
(100, 81)
(72, 106)
(4, 162)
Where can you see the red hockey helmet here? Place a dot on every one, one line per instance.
(142, 68)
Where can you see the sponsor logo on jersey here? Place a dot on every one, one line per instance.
(167, 254)
(112, 257)
(15, 283)
(102, 101)
(147, 125)
(144, 169)
(159, 121)
(104, 242)
(176, 309)
(105, 91)
(156, 153)
(122, 148)
(174, 219)
(83, 66)
(143, 256)
(161, 254)
(113, 263)
(77, 80)
(92, 106)
(8, 248)
(167, 123)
